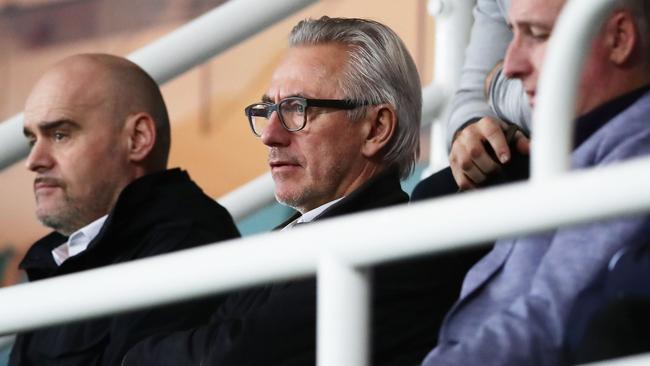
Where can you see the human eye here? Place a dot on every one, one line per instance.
(31, 141)
(293, 106)
(60, 136)
(539, 33)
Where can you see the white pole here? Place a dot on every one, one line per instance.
(554, 112)
(357, 240)
(13, 145)
(210, 34)
(343, 313)
(249, 198)
(179, 51)
(453, 27)
(640, 360)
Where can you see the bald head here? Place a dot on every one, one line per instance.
(95, 123)
(116, 86)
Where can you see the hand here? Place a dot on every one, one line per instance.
(472, 161)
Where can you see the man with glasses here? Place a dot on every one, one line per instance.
(341, 120)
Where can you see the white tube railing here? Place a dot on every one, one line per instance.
(211, 34)
(453, 27)
(179, 51)
(354, 239)
(557, 89)
(640, 360)
(249, 198)
(13, 146)
(342, 311)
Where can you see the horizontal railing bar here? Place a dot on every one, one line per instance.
(640, 360)
(182, 49)
(210, 34)
(249, 198)
(427, 227)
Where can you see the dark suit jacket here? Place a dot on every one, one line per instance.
(158, 213)
(612, 317)
(276, 324)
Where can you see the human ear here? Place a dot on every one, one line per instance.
(141, 131)
(383, 124)
(622, 37)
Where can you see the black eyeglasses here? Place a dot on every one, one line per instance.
(292, 112)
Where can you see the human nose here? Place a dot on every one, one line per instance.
(39, 158)
(516, 64)
(274, 133)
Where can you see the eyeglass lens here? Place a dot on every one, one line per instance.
(292, 113)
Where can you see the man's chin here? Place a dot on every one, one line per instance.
(56, 219)
(291, 199)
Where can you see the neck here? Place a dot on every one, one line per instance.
(350, 184)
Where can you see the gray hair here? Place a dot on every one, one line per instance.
(380, 70)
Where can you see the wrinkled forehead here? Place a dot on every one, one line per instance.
(62, 94)
(311, 71)
(541, 13)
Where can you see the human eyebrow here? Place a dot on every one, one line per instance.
(47, 127)
(267, 99)
(57, 124)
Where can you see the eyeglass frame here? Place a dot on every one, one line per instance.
(343, 104)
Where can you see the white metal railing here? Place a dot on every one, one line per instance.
(335, 249)
(190, 45)
(453, 28)
(558, 85)
(639, 360)
(564, 200)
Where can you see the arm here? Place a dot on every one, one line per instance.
(488, 43)
(508, 100)
(530, 330)
(472, 120)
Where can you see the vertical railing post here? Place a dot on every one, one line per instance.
(558, 86)
(453, 26)
(343, 313)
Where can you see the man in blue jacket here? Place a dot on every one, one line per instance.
(515, 302)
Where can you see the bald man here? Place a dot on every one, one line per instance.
(99, 136)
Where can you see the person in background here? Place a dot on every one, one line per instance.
(489, 119)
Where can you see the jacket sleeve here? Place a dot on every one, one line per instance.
(128, 329)
(488, 44)
(530, 331)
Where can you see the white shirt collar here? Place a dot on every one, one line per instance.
(78, 241)
(310, 215)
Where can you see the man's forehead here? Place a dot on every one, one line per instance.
(55, 99)
(542, 13)
(309, 71)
